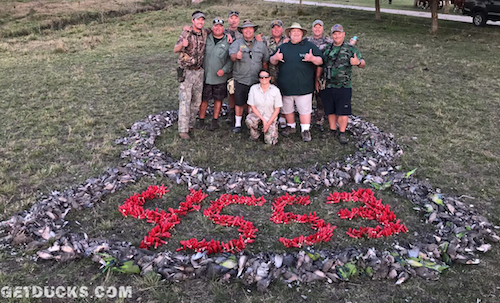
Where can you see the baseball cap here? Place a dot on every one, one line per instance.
(218, 20)
(337, 28)
(198, 14)
(318, 22)
(276, 22)
(235, 13)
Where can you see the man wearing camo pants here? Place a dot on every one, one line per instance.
(191, 49)
(321, 42)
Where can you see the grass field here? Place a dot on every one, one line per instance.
(67, 94)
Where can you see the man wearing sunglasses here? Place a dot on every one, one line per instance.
(191, 49)
(249, 57)
(265, 101)
(217, 66)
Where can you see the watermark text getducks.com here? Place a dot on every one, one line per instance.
(65, 292)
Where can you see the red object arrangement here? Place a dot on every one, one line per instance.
(246, 228)
(165, 221)
(373, 209)
(324, 231)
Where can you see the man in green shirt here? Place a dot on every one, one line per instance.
(297, 61)
(217, 65)
(338, 61)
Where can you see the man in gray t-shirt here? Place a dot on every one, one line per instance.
(249, 57)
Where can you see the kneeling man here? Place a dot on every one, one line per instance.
(265, 101)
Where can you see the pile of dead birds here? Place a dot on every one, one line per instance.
(459, 232)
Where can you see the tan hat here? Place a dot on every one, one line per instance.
(295, 25)
(247, 23)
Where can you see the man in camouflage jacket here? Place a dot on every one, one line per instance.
(191, 49)
(338, 61)
(321, 42)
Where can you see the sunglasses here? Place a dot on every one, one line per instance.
(234, 13)
(264, 77)
(218, 21)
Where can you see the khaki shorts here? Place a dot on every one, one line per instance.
(303, 103)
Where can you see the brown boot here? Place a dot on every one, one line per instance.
(184, 136)
(214, 125)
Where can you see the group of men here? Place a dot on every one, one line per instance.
(272, 75)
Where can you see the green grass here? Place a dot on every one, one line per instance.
(68, 94)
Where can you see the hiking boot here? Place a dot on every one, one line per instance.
(288, 131)
(184, 136)
(343, 138)
(329, 134)
(214, 125)
(306, 136)
(200, 124)
(237, 130)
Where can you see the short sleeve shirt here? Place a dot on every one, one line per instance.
(266, 102)
(272, 45)
(296, 77)
(337, 59)
(246, 70)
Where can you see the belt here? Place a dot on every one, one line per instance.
(193, 68)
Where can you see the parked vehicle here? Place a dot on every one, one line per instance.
(482, 11)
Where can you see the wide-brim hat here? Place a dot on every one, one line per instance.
(295, 25)
(247, 23)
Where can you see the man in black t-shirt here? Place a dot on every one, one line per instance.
(297, 61)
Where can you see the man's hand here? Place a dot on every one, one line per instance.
(186, 28)
(355, 60)
(229, 39)
(259, 37)
(286, 40)
(185, 42)
(239, 55)
(278, 56)
(309, 56)
(220, 73)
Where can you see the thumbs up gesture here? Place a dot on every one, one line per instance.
(185, 42)
(355, 60)
(278, 56)
(309, 56)
(239, 55)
